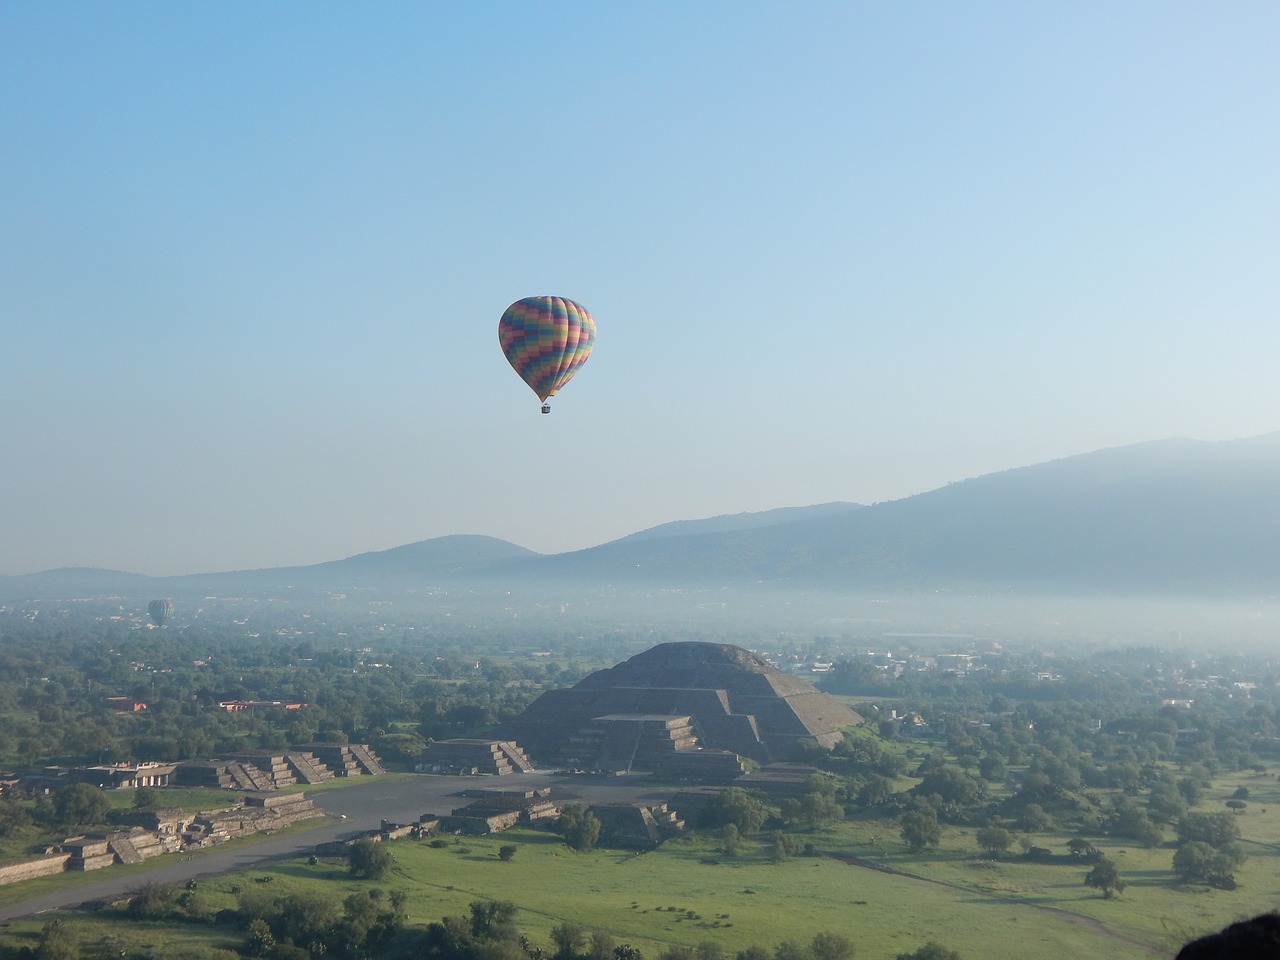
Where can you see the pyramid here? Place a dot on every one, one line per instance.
(734, 701)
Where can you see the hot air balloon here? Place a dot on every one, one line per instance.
(160, 611)
(546, 340)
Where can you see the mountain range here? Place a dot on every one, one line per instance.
(1172, 517)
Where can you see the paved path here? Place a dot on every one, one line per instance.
(365, 804)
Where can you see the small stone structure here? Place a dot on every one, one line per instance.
(474, 757)
(692, 801)
(287, 768)
(42, 866)
(665, 745)
(168, 830)
(639, 826)
(346, 759)
(163, 822)
(89, 852)
(257, 813)
(427, 825)
(221, 774)
(253, 770)
(260, 770)
(141, 844)
(778, 781)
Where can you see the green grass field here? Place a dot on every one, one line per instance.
(688, 892)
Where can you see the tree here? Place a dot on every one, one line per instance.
(146, 798)
(361, 917)
(1165, 803)
(731, 840)
(1105, 877)
(493, 920)
(1191, 790)
(369, 859)
(81, 804)
(1034, 818)
(57, 942)
(153, 901)
(568, 939)
(13, 815)
(302, 917)
(1131, 822)
(1215, 829)
(579, 827)
(601, 947)
(1081, 849)
(952, 784)
(994, 840)
(992, 768)
(506, 852)
(260, 941)
(875, 791)
(816, 806)
(1198, 862)
(782, 845)
(919, 827)
(743, 809)
(830, 946)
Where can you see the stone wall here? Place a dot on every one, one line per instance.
(39, 867)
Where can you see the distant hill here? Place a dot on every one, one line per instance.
(74, 582)
(1173, 517)
(413, 566)
(1176, 516)
(454, 554)
(733, 522)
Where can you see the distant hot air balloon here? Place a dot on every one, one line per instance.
(160, 611)
(546, 340)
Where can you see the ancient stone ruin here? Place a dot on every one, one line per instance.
(473, 757)
(637, 826)
(151, 833)
(683, 710)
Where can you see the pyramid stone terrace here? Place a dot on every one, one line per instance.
(731, 700)
(473, 756)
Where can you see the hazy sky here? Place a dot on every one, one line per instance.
(252, 258)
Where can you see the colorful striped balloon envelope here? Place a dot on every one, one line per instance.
(546, 340)
(160, 611)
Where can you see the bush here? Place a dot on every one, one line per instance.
(579, 827)
(930, 951)
(994, 840)
(153, 901)
(369, 859)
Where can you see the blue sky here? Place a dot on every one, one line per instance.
(252, 258)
